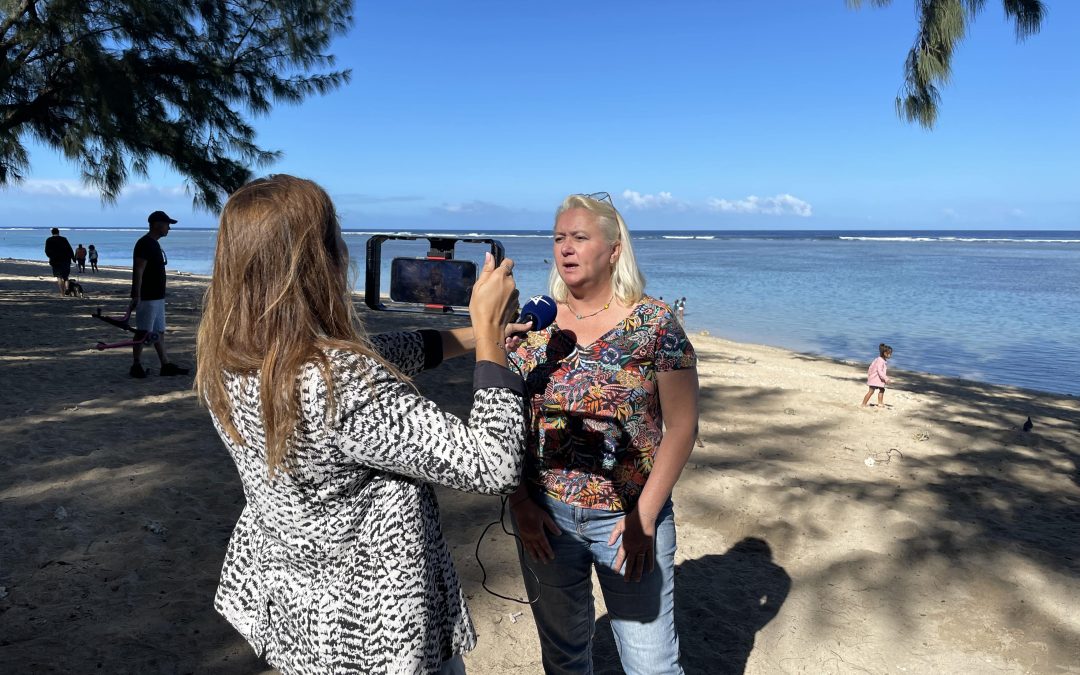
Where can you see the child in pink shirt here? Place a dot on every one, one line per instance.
(876, 377)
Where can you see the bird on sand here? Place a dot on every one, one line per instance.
(1028, 425)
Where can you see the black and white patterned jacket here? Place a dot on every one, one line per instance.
(339, 565)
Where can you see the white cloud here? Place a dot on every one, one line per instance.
(1017, 213)
(780, 205)
(636, 200)
(56, 188)
(76, 189)
(473, 207)
(134, 189)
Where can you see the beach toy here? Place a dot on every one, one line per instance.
(139, 337)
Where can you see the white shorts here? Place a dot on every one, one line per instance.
(150, 316)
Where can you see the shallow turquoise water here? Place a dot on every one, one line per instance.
(998, 307)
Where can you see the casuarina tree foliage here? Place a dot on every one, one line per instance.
(942, 25)
(112, 84)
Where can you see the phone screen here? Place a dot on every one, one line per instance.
(432, 282)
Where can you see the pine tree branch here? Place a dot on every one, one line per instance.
(114, 83)
(251, 25)
(13, 19)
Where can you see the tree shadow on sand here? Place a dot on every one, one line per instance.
(117, 498)
(721, 602)
(98, 587)
(967, 497)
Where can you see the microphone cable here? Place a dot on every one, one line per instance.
(520, 550)
(541, 310)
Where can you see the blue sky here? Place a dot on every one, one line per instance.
(725, 115)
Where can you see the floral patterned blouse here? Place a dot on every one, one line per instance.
(596, 418)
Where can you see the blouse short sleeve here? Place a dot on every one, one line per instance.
(673, 348)
(596, 421)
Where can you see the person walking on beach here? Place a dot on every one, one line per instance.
(338, 562)
(148, 293)
(58, 251)
(876, 377)
(80, 258)
(614, 394)
(93, 259)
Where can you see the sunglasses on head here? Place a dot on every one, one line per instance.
(598, 197)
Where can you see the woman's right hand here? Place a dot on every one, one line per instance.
(490, 297)
(491, 294)
(532, 521)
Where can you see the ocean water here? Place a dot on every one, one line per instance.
(999, 307)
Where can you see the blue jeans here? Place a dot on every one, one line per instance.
(642, 613)
(455, 666)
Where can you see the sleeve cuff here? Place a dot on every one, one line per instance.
(491, 375)
(433, 353)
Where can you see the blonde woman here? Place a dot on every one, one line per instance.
(338, 563)
(613, 389)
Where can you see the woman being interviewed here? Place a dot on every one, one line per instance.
(338, 563)
(613, 388)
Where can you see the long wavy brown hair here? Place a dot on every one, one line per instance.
(279, 297)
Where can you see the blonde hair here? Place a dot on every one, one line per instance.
(279, 297)
(627, 281)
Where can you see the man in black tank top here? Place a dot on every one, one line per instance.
(148, 293)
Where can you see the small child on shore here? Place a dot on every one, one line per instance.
(93, 259)
(876, 377)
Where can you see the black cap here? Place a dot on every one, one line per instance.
(159, 216)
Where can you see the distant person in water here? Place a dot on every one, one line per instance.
(93, 259)
(876, 377)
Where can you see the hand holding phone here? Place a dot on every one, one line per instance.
(492, 293)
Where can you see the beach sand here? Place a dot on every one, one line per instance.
(932, 535)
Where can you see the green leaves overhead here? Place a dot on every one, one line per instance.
(942, 25)
(114, 83)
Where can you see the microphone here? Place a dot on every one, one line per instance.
(541, 310)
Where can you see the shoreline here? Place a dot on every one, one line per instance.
(931, 535)
(695, 335)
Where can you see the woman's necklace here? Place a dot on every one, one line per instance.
(579, 317)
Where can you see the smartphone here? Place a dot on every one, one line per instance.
(428, 273)
(432, 281)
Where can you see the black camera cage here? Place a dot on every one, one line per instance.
(439, 248)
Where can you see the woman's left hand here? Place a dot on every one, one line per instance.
(514, 335)
(513, 332)
(636, 547)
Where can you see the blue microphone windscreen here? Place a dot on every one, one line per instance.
(541, 310)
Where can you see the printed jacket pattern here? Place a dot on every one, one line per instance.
(339, 565)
